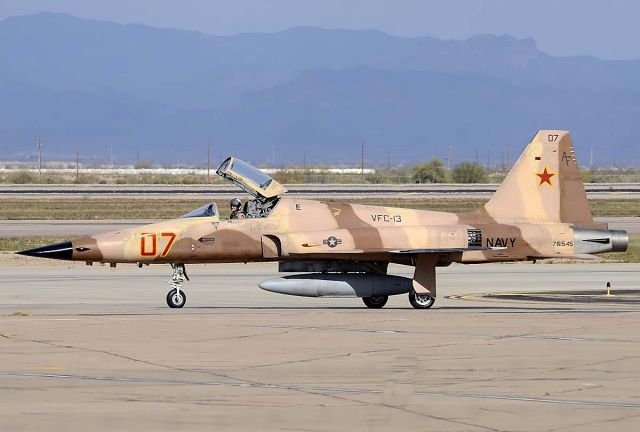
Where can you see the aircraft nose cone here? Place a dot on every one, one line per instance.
(61, 251)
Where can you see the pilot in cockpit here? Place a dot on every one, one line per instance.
(235, 206)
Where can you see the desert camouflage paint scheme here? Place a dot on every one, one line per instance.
(540, 211)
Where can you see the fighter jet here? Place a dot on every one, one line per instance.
(344, 250)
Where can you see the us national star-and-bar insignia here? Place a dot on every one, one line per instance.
(332, 241)
(545, 177)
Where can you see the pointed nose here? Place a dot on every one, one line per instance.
(61, 251)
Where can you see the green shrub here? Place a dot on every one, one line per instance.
(430, 172)
(21, 177)
(470, 172)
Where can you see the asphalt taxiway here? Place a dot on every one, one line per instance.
(94, 348)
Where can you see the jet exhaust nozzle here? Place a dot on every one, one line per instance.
(338, 285)
(592, 241)
(61, 251)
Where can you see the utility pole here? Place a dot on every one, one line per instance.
(591, 158)
(477, 156)
(362, 158)
(507, 152)
(389, 159)
(77, 164)
(449, 157)
(304, 165)
(39, 145)
(273, 155)
(209, 161)
(488, 159)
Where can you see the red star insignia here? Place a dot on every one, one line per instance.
(545, 176)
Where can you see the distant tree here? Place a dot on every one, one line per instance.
(430, 172)
(143, 164)
(587, 176)
(470, 172)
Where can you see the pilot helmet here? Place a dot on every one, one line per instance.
(235, 203)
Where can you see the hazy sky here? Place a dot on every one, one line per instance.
(605, 28)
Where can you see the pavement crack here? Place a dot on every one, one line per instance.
(312, 359)
(307, 360)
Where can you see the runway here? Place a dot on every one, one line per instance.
(76, 228)
(95, 348)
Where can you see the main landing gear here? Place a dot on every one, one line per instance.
(176, 298)
(418, 301)
(421, 301)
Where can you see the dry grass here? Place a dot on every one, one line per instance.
(97, 208)
(599, 207)
(20, 314)
(151, 209)
(632, 255)
(14, 244)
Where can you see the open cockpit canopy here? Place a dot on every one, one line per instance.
(252, 180)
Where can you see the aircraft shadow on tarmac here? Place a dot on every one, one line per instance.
(488, 309)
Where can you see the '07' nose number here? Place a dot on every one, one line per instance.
(149, 243)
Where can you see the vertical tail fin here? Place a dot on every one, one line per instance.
(544, 184)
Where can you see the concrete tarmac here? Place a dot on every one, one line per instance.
(90, 348)
(75, 228)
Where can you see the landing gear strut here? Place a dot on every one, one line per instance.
(424, 282)
(176, 298)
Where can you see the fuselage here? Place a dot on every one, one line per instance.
(315, 230)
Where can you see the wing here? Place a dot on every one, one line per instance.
(342, 252)
(444, 250)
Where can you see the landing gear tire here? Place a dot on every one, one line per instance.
(375, 302)
(176, 299)
(421, 301)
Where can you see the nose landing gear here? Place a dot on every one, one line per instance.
(176, 298)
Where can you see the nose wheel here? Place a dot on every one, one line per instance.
(176, 298)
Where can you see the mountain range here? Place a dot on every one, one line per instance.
(303, 93)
